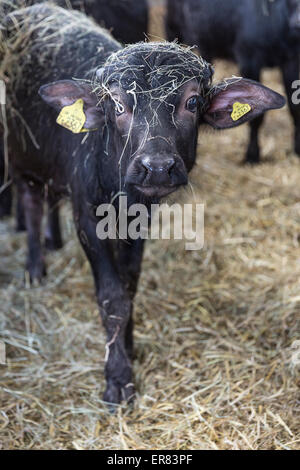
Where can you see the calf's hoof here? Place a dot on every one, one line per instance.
(252, 157)
(116, 394)
(36, 272)
(4, 212)
(53, 244)
(20, 227)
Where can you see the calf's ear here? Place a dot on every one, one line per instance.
(76, 104)
(235, 101)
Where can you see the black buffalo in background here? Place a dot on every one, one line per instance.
(127, 20)
(252, 33)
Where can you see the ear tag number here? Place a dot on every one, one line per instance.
(72, 117)
(239, 110)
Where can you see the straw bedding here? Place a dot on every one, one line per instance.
(216, 331)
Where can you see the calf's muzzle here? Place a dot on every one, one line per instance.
(156, 175)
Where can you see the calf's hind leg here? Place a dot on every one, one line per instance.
(5, 201)
(32, 197)
(53, 239)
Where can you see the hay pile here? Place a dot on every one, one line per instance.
(38, 34)
(216, 330)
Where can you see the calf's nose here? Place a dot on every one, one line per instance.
(158, 171)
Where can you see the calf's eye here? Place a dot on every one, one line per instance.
(192, 104)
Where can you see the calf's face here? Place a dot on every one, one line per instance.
(148, 101)
(155, 140)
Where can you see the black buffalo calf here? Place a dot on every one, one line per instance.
(253, 33)
(143, 105)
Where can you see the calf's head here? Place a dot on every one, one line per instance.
(148, 101)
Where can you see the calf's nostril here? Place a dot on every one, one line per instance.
(161, 166)
(170, 166)
(147, 164)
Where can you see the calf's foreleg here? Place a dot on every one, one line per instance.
(115, 303)
(32, 196)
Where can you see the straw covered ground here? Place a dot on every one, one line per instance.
(216, 332)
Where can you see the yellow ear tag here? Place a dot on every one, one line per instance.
(239, 110)
(72, 117)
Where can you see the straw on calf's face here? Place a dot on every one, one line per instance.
(148, 100)
(154, 165)
(156, 94)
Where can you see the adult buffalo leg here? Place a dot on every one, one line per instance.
(32, 197)
(115, 303)
(252, 70)
(290, 73)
